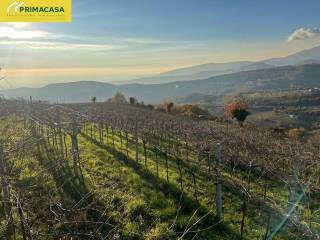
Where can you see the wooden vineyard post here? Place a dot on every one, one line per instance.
(61, 143)
(55, 142)
(75, 149)
(26, 233)
(107, 134)
(127, 145)
(157, 159)
(6, 191)
(219, 203)
(121, 140)
(29, 111)
(209, 161)
(145, 153)
(195, 186)
(167, 166)
(65, 145)
(178, 160)
(94, 131)
(4, 183)
(180, 173)
(136, 140)
(265, 186)
(100, 132)
(112, 136)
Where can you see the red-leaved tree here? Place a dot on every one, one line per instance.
(237, 110)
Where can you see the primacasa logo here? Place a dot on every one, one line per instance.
(35, 10)
(15, 6)
(18, 7)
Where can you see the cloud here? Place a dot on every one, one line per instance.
(140, 41)
(304, 33)
(59, 46)
(72, 46)
(19, 24)
(7, 32)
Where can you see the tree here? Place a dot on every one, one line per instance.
(94, 99)
(118, 98)
(168, 106)
(132, 100)
(237, 110)
(150, 106)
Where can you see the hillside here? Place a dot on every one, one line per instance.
(309, 56)
(302, 76)
(117, 171)
(312, 54)
(284, 109)
(197, 72)
(288, 109)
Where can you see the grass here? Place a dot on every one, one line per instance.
(256, 220)
(130, 201)
(156, 204)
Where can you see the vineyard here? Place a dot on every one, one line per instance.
(117, 171)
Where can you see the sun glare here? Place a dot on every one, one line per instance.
(20, 24)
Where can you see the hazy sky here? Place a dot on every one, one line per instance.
(113, 40)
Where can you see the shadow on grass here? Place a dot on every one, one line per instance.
(74, 188)
(188, 204)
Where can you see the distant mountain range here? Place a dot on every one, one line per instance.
(300, 70)
(202, 71)
(310, 56)
(306, 56)
(276, 78)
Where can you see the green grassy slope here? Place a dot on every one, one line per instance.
(120, 198)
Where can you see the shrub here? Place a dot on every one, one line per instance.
(296, 133)
(132, 100)
(118, 98)
(168, 106)
(237, 110)
(150, 106)
(192, 110)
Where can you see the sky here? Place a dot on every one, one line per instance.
(117, 40)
